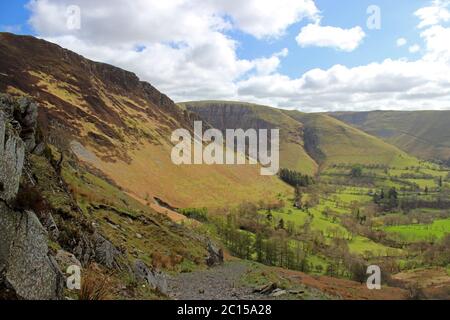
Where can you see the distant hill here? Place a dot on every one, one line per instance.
(236, 115)
(425, 134)
(121, 126)
(308, 141)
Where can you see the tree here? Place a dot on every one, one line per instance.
(298, 198)
(356, 172)
(295, 178)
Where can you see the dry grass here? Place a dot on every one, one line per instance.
(95, 285)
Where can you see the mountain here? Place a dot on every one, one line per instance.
(120, 126)
(308, 142)
(233, 115)
(424, 134)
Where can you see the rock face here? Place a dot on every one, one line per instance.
(106, 253)
(22, 113)
(156, 280)
(215, 256)
(12, 154)
(27, 271)
(25, 265)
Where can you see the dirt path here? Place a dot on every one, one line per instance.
(220, 283)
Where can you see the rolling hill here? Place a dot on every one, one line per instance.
(121, 126)
(425, 134)
(309, 142)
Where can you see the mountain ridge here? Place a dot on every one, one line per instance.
(120, 125)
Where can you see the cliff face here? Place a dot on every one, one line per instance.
(27, 271)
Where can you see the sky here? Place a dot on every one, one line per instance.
(310, 55)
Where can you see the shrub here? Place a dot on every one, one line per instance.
(95, 285)
(196, 214)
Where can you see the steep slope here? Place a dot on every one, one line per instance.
(425, 134)
(308, 141)
(338, 143)
(120, 126)
(237, 115)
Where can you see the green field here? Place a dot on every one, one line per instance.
(421, 232)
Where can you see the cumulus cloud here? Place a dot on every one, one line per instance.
(315, 35)
(436, 13)
(268, 18)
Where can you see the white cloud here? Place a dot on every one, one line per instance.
(414, 48)
(437, 43)
(314, 35)
(434, 14)
(266, 66)
(268, 18)
(401, 42)
(392, 84)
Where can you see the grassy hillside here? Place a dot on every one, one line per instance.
(121, 126)
(339, 143)
(308, 141)
(424, 134)
(236, 115)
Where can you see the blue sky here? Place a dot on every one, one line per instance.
(179, 48)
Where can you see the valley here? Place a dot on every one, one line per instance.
(98, 170)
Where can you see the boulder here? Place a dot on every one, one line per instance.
(26, 267)
(66, 259)
(278, 293)
(215, 255)
(155, 279)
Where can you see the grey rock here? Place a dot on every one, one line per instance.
(215, 255)
(278, 293)
(25, 265)
(39, 149)
(50, 225)
(106, 253)
(12, 156)
(66, 259)
(154, 278)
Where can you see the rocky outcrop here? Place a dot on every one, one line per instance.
(106, 253)
(27, 271)
(12, 155)
(215, 255)
(155, 279)
(25, 265)
(22, 113)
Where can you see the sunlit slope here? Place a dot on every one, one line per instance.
(121, 126)
(307, 140)
(338, 143)
(236, 115)
(425, 134)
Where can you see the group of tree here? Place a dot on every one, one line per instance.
(387, 201)
(295, 178)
